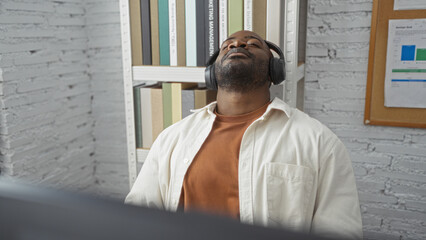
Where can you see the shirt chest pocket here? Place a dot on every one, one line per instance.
(289, 189)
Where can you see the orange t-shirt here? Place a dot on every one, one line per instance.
(211, 182)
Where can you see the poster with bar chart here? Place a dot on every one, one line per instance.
(405, 78)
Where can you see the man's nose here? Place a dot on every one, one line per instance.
(237, 43)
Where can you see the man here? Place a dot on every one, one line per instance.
(250, 158)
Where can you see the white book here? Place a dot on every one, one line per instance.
(172, 33)
(146, 113)
(223, 21)
(191, 36)
(248, 15)
(273, 26)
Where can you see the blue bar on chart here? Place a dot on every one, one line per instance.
(408, 52)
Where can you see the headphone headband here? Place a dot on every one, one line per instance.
(276, 67)
(276, 49)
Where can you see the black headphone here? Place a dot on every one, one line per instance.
(276, 68)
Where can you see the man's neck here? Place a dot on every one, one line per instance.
(237, 103)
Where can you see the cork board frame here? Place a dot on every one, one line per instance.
(375, 112)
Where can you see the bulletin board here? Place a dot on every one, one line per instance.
(375, 111)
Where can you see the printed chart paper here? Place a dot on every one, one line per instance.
(405, 79)
(409, 4)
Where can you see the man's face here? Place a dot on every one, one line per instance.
(243, 62)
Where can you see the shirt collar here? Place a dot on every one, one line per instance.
(277, 104)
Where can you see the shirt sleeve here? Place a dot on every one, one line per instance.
(146, 190)
(337, 211)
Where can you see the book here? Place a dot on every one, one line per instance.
(259, 18)
(157, 111)
(146, 116)
(146, 32)
(167, 104)
(191, 37)
(172, 101)
(273, 19)
(211, 29)
(163, 26)
(248, 15)
(235, 16)
(155, 49)
(177, 89)
(188, 102)
(202, 97)
(201, 44)
(223, 21)
(180, 31)
(172, 33)
(137, 113)
(135, 32)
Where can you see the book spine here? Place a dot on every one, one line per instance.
(146, 32)
(167, 105)
(180, 31)
(211, 33)
(199, 7)
(136, 33)
(259, 18)
(191, 37)
(187, 102)
(235, 16)
(273, 21)
(223, 21)
(157, 112)
(248, 15)
(146, 115)
(199, 98)
(172, 33)
(155, 49)
(163, 24)
(176, 102)
(138, 118)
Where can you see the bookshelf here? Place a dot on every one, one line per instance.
(291, 39)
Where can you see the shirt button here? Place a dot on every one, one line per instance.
(186, 160)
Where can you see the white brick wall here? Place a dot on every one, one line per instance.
(105, 69)
(389, 162)
(61, 93)
(46, 130)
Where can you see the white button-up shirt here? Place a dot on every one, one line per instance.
(293, 172)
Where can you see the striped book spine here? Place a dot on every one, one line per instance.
(172, 33)
(223, 21)
(211, 29)
(248, 15)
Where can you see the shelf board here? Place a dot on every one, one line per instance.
(167, 73)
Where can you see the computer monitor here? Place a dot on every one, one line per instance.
(36, 213)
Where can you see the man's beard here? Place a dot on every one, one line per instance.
(241, 77)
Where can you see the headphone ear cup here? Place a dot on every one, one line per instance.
(210, 78)
(277, 70)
